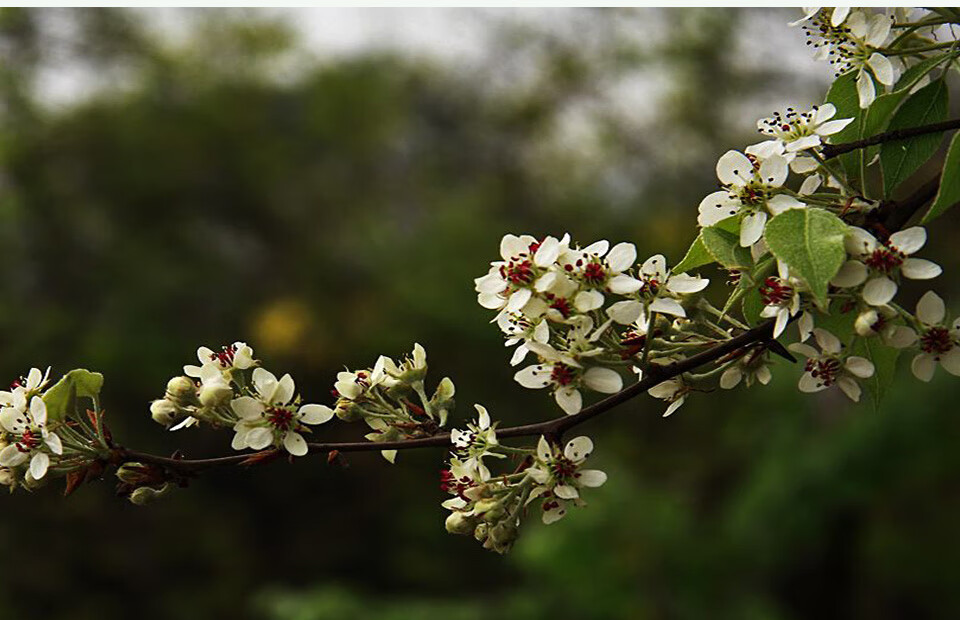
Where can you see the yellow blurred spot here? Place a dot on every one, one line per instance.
(282, 326)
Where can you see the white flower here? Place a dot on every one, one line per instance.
(837, 16)
(478, 441)
(827, 367)
(673, 391)
(881, 262)
(798, 131)
(32, 439)
(234, 356)
(751, 187)
(781, 299)
(563, 371)
(559, 477)
(753, 366)
(659, 292)
(937, 342)
(509, 283)
(873, 321)
(269, 418)
(600, 271)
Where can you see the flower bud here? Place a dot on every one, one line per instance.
(7, 477)
(181, 388)
(503, 536)
(215, 394)
(164, 412)
(147, 495)
(131, 473)
(348, 411)
(481, 532)
(32, 484)
(458, 523)
(866, 323)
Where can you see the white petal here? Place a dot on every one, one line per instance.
(605, 380)
(674, 406)
(859, 366)
(865, 89)
(38, 410)
(554, 514)
(852, 273)
(882, 68)
(910, 240)
(591, 478)
(827, 341)
(569, 399)
(247, 407)
(840, 14)
(849, 387)
(666, 305)
(809, 383)
(519, 299)
(295, 444)
(11, 456)
(804, 165)
(683, 284)
(597, 248)
(547, 253)
(923, 366)
(899, 336)
(831, 127)
(806, 142)
(731, 378)
(623, 284)
(879, 291)
(783, 316)
(622, 256)
(781, 202)
(53, 442)
(824, 113)
(259, 438)
(804, 350)
(717, 207)
(565, 491)
(920, 269)
(315, 414)
(39, 464)
(805, 325)
(544, 453)
(930, 309)
(534, 377)
(578, 448)
(585, 301)
(625, 312)
(859, 242)
(240, 438)
(751, 228)
(774, 170)
(734, 168)
(951, 361)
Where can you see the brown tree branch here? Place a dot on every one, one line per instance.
(829, 151)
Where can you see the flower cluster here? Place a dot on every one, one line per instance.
(230, 389)
(565, 304)
(23, 417)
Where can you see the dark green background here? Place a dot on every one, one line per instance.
(328, 217)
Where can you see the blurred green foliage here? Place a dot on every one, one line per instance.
(340, 210)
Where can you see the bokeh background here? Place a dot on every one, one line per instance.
(325, 184)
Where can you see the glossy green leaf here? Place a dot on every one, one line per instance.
(810, 242)
(901, 158)
(697, 256)
(949, 192)
(884, 360)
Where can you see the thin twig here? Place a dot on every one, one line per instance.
(830, 151)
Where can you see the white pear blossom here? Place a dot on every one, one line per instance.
(938, 343)
(233, 356)
(754, 366)
(478, 441)
(751, 187)
(559, 476)
(878, 321)
(599, 271)
(510, 282)
(798, 131)
(674, 391)
(876, 265)
(781, 298)
(31, 439)
(269, 418)
(828, 366)
(659, 292)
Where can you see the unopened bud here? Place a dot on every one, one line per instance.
(7, 477)
(458, 523)
(348, 411)
(503, 536)
(481, 532)
(867, 322)
(131, 473)
(181, 388)
(164, 412)
(215, 394)
(147, 495)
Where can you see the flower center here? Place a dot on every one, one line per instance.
(518, 273)
(936, 341)
(594, 273)
(826, 369)
(225, 356)
(885, 259)
(280, 418)
(562, 374)
(563, 468)
(560, 304)
(650, 287)
(773, 292)
(28, 441)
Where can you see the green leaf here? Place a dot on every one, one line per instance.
(724, 246)
(697, 256)
(810, 242)
(949, 192)
(838, 323)
(885, 366)
(62, 397)
(901, 158)
(752, 305)
(843, 96)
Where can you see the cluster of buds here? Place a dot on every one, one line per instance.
(391, 398)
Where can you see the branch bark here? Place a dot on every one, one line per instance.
(829, 151)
